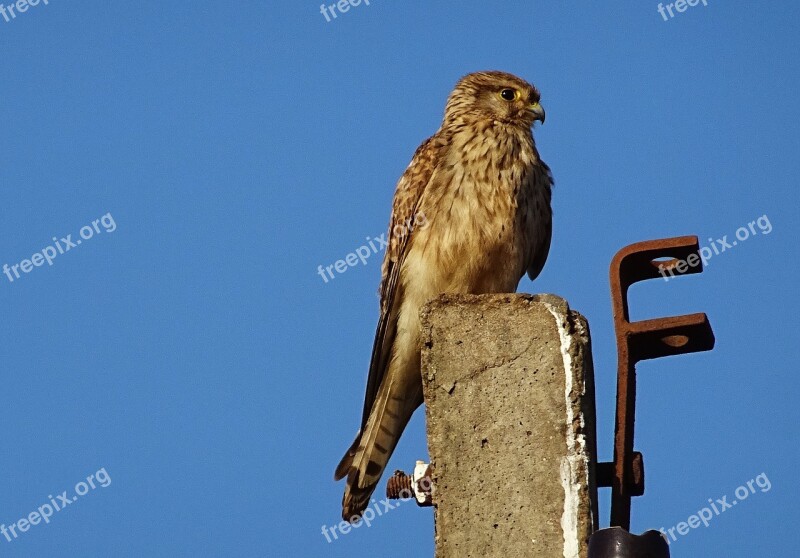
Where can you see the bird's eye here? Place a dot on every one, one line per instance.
(508, 94)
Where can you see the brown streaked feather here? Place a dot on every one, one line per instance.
(404, 210)
(344, 465)
(540, 251)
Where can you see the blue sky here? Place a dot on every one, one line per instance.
(194, 355)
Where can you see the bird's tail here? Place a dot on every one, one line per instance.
(366, 459)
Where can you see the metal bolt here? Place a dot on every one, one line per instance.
(417, 486)
(399, 486)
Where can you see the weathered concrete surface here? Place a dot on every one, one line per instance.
(509, 397)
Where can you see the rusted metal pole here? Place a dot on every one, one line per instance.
(642, 340)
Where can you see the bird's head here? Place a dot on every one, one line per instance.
(494, 96)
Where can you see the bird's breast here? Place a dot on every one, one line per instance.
(474, 241)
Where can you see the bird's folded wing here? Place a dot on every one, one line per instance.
(541, 249)
(405, 216)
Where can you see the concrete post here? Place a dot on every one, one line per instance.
(509, 396)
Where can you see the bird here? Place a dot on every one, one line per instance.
(471, 214)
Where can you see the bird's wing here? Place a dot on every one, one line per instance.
(405, 215)
(401, 228)
(541, 248)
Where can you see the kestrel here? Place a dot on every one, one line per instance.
(471, 214)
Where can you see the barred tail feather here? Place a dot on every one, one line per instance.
(386, 423)
(343, 468)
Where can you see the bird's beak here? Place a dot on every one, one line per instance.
(538, 112)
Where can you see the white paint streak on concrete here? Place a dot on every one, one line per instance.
(571, 464)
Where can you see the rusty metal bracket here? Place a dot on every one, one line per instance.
(642, 340)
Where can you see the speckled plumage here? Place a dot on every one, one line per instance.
(477, 197)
